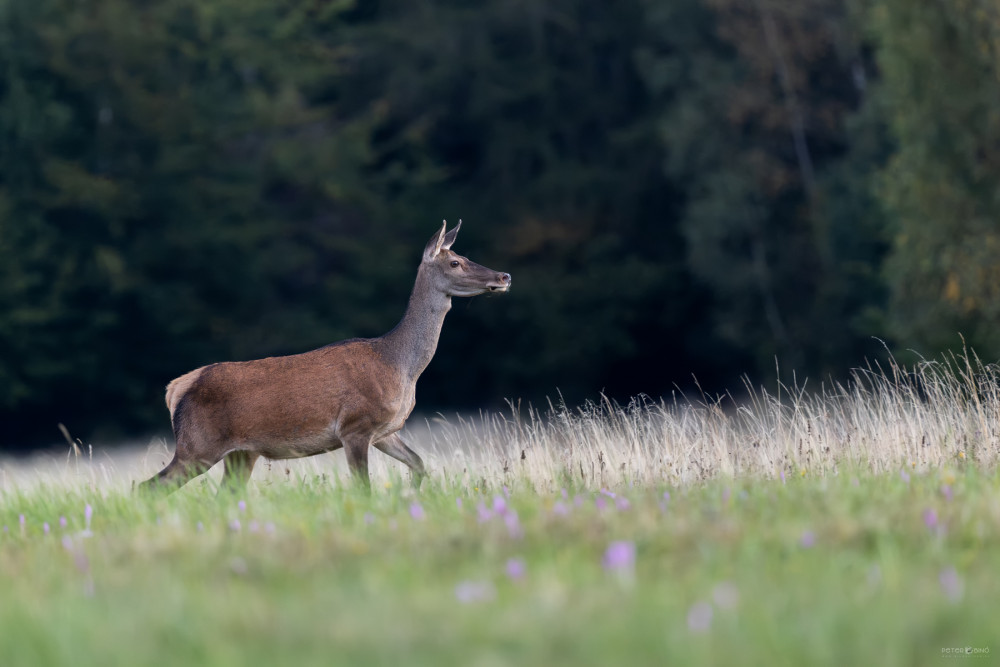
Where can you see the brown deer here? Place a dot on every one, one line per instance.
(352, 394)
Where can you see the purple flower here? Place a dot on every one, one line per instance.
(726, 595)
(468, 592)
(88, 512)
(369, 518)
(253, 526)
(513, 524)
(947, 492)
(20, 520)
(483, 513)
(515, 569)
(808, 540)
(620, 557)
(45, 527)
(242, 505)
(609, 494)
(905, 476)
(506, 492)
(601, 503)
(564, 494)
(560, 508)
(699, 617)
(622, 503)
(930, 518)
(499, 505)
(782, 475)
(416, 512)
(951, 584)
(458, 503)
(62, 522)
(234, 525)
(577, 500)
(666, 496)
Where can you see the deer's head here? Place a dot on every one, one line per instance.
(455, 275)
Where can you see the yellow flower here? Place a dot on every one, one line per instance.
(961, 455)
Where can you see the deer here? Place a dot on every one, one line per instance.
(354, 394)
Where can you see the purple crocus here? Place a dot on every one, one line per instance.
(468, 592)
(620, 557)
(699, 617)
(951, 584)
(416, 512)
(513, 524)
(515, 569)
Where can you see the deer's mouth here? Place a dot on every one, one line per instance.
(498, 288)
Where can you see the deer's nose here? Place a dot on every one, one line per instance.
(504, 278)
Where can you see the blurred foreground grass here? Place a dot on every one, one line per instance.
(851, 568)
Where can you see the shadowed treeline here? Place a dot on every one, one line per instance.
(697, 186)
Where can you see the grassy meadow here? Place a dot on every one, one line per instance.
(853, 524)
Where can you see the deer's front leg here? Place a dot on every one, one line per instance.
(356, 449)
(394, 446)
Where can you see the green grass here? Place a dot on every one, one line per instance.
(826, 570)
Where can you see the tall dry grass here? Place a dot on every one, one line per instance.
(885, 417)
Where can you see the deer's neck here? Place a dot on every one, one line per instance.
(411, 345)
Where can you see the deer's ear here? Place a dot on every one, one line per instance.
(436, 243)
(450, 237)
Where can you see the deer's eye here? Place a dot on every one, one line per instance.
(454, 264)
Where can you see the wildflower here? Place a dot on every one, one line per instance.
(242, 505)
(515, 569)
(253, 526)
(601, 503)
(726, 595)
(506, 492)
(666, 496)
(513, 524)
(782, 476)
(269, 528)
(951, 584)
(564, 494)
(499, 505)
(930, 518)
(620, 557)
(808, 540)
(468, 592)
(622, 503)
(483, 513)
(416, 512)
(946, 492)
(560, 508)
(905, 476)
(234, 525)
(961, 455)
(699, 617)
(62, 522)
(609, 494)
(45, 527)
(458, 503)
(20, 520)
(88, 513)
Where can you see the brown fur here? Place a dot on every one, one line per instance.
(353, 394)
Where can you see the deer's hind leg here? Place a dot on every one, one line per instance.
(238, 468)
(394, 446)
